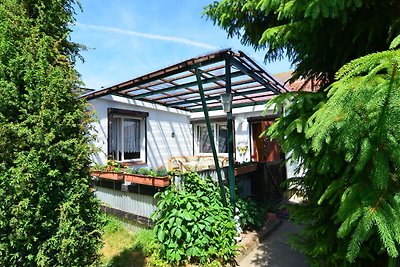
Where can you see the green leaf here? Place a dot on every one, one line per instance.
(381, 170)
(187, 215)
(160, 235)
(188, 237)
(171, 222)
(332, 189)
(395, 43)
(191, 252)
(178, 233)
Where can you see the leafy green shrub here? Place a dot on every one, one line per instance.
(192, 225)
(251, 215)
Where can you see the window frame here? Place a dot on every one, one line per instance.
(215, 127)
(129, 114)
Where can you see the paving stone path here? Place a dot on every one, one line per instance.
(274, 251)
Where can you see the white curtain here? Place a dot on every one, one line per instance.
(131, 136)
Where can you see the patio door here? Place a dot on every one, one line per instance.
(264, 149)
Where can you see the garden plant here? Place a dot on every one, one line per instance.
(192, 225)
(49, 215)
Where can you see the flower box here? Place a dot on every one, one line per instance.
(246, 169)
(115, 176)
(162, 181)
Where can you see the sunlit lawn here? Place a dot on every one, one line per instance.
(118, 246)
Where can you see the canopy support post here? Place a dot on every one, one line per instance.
(211, 136)
(231, 158)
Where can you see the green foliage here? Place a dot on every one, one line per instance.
(112, 224)
(318, 36)
(251, 214)
(159, 172)
(144, 171)
(49, 215)
(146, 244)
(192, 225)
(145, 241)
(348, 144)
(111, 165)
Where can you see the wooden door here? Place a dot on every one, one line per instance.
(264, 150)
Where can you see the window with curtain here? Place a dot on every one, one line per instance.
(126, 139)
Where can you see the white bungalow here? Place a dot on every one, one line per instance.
(162, 118)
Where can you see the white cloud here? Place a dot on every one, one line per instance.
(148, 35)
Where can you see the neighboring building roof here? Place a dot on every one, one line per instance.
(178, 85)
(298, 85)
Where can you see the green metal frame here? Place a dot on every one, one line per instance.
(229, 116)
(169, 86)
(211, 136)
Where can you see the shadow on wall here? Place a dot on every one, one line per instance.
(185, 133)
(161, 141)
(100, 155)
(163, 145)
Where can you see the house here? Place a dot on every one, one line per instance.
(169, 114)
(300, 84)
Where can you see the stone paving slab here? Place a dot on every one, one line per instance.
(274, 250)
(252, 239)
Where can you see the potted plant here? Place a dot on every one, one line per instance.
(245, 167)
(147, 176)
(112, 171)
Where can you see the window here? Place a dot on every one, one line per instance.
(220, 133)
(127, 140)
(222, 139)
(203, 139)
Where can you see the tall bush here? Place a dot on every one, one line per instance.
(191, 223)
(350, 150)
(48, 214)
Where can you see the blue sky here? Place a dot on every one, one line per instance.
(128, 38)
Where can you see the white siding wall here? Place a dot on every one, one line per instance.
(242, 137)
(161, 123)
(139, 204)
